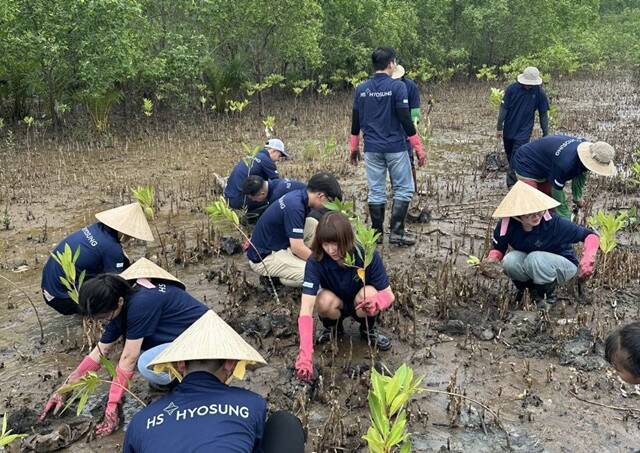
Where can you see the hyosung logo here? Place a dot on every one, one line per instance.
(173, 413)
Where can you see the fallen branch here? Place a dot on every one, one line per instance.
(32, 304)
(615, 408)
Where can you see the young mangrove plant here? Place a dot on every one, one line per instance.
(607, 225)
(5, 436)
(269, 124)
(388, 397)
(145, 195)
(345, 207)
(67, 260)
(147, 107)
(495, 98)
(221, 215)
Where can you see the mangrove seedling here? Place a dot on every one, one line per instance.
(145, 196)
(269, 124)
(6, 437)
(147, 107)
(388, 397)
(345, 207)
(250, 154)
(473, 261)
(607, 225)
(495, 98)
(221, 214)
(67, 260)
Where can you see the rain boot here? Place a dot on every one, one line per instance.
(544, 296)
(372, 334)
(331, 329)
(376, 211)
(521, 288)
(398, 215)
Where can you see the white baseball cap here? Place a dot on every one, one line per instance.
(275, 143)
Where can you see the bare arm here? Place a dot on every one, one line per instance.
(130, 354)
(104, 348)
(307, 304)
(299, 249)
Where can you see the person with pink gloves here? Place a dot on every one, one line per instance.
(337, 291)
(149, 308)
(542, 252)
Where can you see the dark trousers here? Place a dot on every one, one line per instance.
(283, 433)
(510, 147)
(63, 306)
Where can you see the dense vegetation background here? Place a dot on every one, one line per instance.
(70, 57)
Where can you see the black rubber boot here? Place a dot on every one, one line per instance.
(545, 295)
(376, 211)
(521, 288)
(373, 335)
(398, 215)
(331, 328)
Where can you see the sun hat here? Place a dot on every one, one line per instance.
(144, 268)
(128, 219)
(598, 157)
(398, 73)
(278, 145)
(530, 76)
(209, 338)
(523, 199)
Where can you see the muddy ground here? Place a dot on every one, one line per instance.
(548, 383)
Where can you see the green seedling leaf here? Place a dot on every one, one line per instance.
(398, 434)
(406, 447)
(108, 365)
(374, 440)
(473, 261)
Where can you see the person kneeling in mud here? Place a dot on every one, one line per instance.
(149, 314)
(263, 193)
(338, 292)
(542, 252)
(279, 245)
(203, 412)
(100, 250)
(622, 351)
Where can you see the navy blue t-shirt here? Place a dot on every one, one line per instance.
(201, 415)
(261, 165)
(283, 220)
(521, 105)
(376, 101)
(554, 158)
(279, 187)
(343, 281)
(100, 251)
(554, 236)
(413, 93)
(159, 315)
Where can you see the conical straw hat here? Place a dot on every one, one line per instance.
(209, 338)
(523, 199)
(128, 219)
(144, 268)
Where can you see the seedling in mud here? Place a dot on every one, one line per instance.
(473, 261)
(269, 124)
(366, 238)
(608, 225)
(6, 437)
(388, 397)
(236, 106)
(67, 260)
(145, 196)
(495, 97)
(147, 107)
(221, 214)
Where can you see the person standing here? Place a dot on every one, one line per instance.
(262, 164)
(413, 94)
(381, 111)
(517, 111)
(550, 162)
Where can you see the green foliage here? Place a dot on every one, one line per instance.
(269, 124)
(221, 213)
(5, 436)
(67, 260)
(81, 391)
(608, 225)
(487, 73)
(495, 97)
(345, 207)
(28, 120)
(473, 261)
(99, 106)
(145, 195)
(388, 397)
(147, 106)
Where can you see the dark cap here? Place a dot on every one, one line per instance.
(326, 183)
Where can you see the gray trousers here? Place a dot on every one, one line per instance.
(541, 267)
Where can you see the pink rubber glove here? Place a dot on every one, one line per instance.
(495, 255)
(416, 143)
(588, 261)
(376, 303)
(56, 402)
(354, 149)
(304, 363)
(119, 384)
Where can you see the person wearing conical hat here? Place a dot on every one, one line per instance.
(149, 308)
(517, 114)
(203, 412)
(541, 245)
(100, 250)
(550, 162)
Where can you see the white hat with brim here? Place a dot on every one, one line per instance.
(523, 199)
(398, 73)
(530, 76)
(209, 338)
(144, 268)
(128, 219)
(597, 157)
